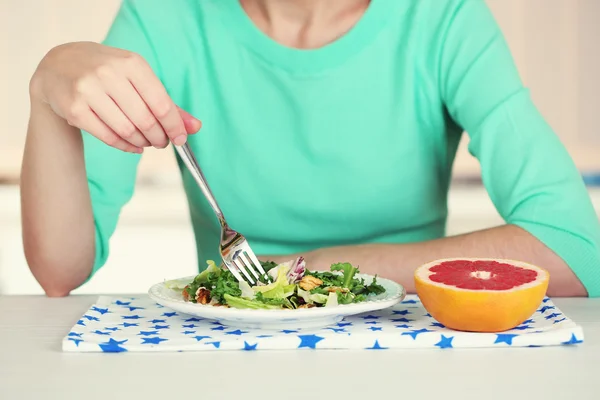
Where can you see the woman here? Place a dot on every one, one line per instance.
(330, 128)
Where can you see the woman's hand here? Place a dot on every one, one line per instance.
(112, 94)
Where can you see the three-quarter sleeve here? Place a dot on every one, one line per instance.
(528, 173)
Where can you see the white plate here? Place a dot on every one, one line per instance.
(279, 319)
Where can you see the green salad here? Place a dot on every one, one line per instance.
(292, 286)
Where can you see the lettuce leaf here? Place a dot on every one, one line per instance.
(279, 289)
(311, 298)
(348, 271)
(238, 302)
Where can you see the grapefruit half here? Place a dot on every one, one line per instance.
(480, 294)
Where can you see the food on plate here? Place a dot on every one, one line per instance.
(481, 294)
(293, 286)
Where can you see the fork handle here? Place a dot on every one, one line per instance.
(190, 161)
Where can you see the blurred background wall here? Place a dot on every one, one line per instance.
(554, 43)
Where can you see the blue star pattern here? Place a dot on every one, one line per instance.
(445, 342)
(416, 332)
(506, 338)
(154, 340)
(309, 341)
(113, 346)
(376, 346)
(248, 346)
(573, 340)
(139, 324)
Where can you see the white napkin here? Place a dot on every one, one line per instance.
(139, 324)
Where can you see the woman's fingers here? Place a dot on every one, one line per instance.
(129, 101)
(192, 124)
(110, 113)
(87, 120)
(160, 104)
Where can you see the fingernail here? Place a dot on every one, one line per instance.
(179, 140)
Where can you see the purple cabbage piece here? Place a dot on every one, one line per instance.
(297, 270)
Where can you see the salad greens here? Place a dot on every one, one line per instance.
(292, 286)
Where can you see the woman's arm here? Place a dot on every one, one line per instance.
(398, 261)
(530, 177)
(57, 220)
(92, 106)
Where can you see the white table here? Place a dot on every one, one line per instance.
(32, 366)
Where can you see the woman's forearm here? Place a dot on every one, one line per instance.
(399, 261)
(57, 219)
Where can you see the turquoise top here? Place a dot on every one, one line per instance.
(353, 142)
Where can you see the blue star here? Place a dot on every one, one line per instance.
(216, 323)
(170, 314)
(122, 303)
(286, 331)
(188, 332)
(90, 318)
(113, 346)
(131, 317)
(371, 317)
(160, 327)
(553, 315)
(264, 336)
(97, 332)
(343, 324)
(80, 322)
(236, 332)
(371, 323)
(533, 345)
(160, 306)
(505, 338)
(76, 341)
(127, 324)
(216, 344)
(560, 320)
(529, 321)
(522, 327)
(157, 321)
(154, 340)
(375, 328)
(445, 342)
(409, 302)
(132, 308)
(309, 341)
(192, 320)
(404, 326)
(401, 312)
(248, 346)
(428, 315)
(147, 333)
(414, 333)
(401, 320)
(100, 310)
(111, 329)
(337, 330)
(547, 299)
(189, 326)
(437, 324)
(546, 308)
(573, 340)
(199, 338)
(75, 334)
(376, 346)
(218, 328)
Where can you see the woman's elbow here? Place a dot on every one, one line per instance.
(56, 274)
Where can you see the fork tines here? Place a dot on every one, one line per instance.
(244, 261)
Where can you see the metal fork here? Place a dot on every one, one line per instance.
(235, 251)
